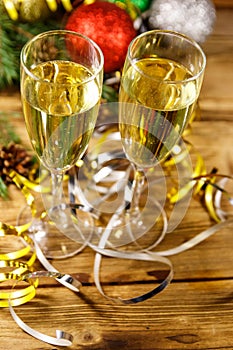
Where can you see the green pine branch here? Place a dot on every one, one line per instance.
(8, 60)
(13, 35)
(3, 189)
(8, 133)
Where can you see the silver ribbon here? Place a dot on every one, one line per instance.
(104, 248)
(62, 338)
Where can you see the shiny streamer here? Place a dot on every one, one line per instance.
(138, 255)
(65, 339)
(204, 185)
(8, 230)
(212, 192)
(147, 254)
(62, 338)
(199, 170)
(31, 246)
(101, 250)
(18, 297)
(159, 256)
(28, 254)
(65, 279)
(18, 268)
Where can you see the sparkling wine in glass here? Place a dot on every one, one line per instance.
(61, 85)
(160, 85)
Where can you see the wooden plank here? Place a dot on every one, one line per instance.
(196, 311)
(200, 262)
(184, 316)
(217, 91)
(223, 3)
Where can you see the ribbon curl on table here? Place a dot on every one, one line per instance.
(62, 338)
(204, 185)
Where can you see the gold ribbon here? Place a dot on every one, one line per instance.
(11, 10)
(52, 5)
(23, 295)
(6, 230)
(11, 259)
(203, 184)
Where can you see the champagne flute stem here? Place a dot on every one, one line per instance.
(138, 183)
(57, 188)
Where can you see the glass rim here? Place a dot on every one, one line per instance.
(56, 32)
(171, 33)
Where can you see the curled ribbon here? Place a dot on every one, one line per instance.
(22, 295)
(204, 185)
(24, 258)
(62, 338)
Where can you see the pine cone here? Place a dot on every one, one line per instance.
(14, 157)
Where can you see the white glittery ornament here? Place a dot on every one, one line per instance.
(195, 18)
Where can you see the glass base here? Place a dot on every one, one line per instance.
(62, 232)
(141, 229)
(102, 181)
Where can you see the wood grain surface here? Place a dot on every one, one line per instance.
(196, 310)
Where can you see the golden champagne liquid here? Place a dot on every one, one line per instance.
(60, 110)
(149, 134)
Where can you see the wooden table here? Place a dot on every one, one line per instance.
(196, 310)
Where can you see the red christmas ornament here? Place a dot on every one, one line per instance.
(109, 26)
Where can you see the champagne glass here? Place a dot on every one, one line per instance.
(61, 86)
(160, 85)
